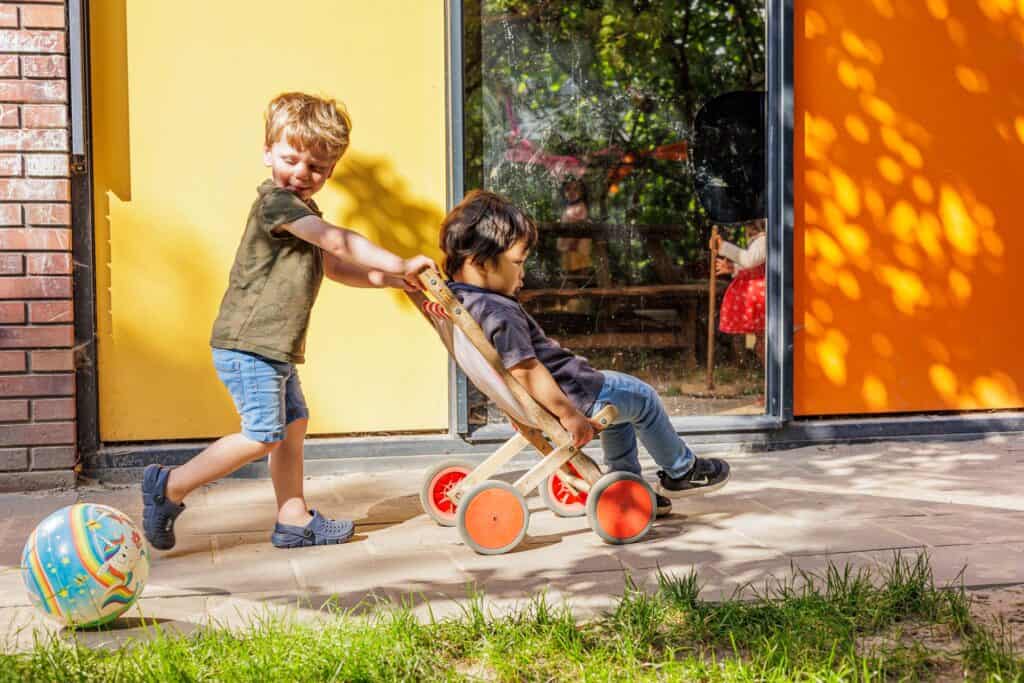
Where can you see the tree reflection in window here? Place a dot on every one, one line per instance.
(582, 112)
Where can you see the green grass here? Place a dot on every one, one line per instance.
(839, 625)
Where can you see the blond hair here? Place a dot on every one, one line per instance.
(307, 122)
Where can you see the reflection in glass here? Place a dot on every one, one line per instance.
(582, 112)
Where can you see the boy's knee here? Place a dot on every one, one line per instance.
(264, 442)
(648, 393)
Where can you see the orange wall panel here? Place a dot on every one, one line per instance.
(908, 200)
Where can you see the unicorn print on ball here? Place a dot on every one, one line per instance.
(85, 564)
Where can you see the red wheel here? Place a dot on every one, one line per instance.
(560, 499)
(621, 508)
(438, 483)
(493, 517)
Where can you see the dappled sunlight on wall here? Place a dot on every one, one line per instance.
(909, 135)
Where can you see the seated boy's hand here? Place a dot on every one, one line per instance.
(580, 427)
(412, 267)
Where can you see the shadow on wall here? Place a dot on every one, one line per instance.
(909, 130)
(147, 371)
(380, 206)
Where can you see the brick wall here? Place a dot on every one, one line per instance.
(37, 382)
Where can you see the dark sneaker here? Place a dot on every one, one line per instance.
(706, 475)
(319, 531)
(158, 513)
(664, 506)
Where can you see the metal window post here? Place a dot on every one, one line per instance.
(82, 236)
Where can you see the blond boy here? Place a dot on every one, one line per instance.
(260, 332)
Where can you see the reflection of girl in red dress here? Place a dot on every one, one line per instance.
(742, 309)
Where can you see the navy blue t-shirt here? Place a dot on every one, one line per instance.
(518, 337)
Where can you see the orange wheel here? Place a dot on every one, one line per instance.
(492, 518)
(438, 483)
(621, 508)
(560, 499)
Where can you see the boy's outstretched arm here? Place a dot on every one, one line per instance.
(351, 247)
(357, 276)
(537, 380)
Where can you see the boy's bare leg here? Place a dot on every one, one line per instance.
(286, 472)
(219, 459)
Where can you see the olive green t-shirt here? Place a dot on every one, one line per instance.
(273, 283)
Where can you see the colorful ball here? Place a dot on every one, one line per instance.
(85, 564)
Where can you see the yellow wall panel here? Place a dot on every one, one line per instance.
(909, 253)
(178, 93)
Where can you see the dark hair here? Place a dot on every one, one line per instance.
(481, 227)
(578, 183)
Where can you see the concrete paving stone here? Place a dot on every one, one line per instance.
(227, 519)
(222, 542)
(416, 534)
(351, 573)
(815, 536)
(982, 565)
(368, 488)
(242, 610)
(539, 559)
(593, 594)
(36, 504)
(187, 545)
(127, 499)
(12, 589)
(12, 542)
(381, 512)
(223, 570)
(882, 560)
(984, 526)
(228, 492)
(763, 577)
(149, 618)
(588, 595)
(675, 544)
(951, 560)
(919, 487)
(844, 506)
(23, 627)
(728, 501)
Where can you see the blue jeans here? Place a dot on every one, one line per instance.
(640, 411)
(267, 393)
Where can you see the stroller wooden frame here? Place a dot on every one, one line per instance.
(491, 515)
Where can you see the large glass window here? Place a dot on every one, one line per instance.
(631, 130)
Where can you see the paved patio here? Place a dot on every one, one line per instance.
(961, 501)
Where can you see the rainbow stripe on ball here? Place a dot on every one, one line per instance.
(87, 547)
(37, 575)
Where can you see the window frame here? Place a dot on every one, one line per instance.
(779, 280)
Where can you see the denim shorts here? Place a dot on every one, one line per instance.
(267, 393)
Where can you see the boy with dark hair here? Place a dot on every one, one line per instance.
(486, 240)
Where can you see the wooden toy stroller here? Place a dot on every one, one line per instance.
(491, 515)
